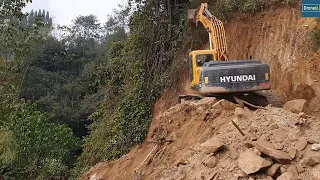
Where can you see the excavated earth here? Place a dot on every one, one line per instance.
(216, 139)
(200, 140)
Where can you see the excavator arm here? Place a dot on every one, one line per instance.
(215, 29)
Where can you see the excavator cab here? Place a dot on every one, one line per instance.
(196, 61)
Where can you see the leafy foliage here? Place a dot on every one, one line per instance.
(28, 140)
(37, 140)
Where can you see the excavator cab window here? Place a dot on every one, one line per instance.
(190, 69)
(203, 58)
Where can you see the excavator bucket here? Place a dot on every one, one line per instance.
(192, 14)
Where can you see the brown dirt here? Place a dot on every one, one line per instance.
(277, 37)
(188, 126)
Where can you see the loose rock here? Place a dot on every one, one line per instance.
(286, 176)
(255, 150)
(225, 105)
(240, 112)
(301, 144)
(210, 161)
(278, 146)
(293, 170)
(296, 106)
(294, 134)
(250, 163)
(303, 115)
(292, 153)
(283, 169)
(269, 178)
(267, 148)
(311, 160)
(206, 100)
(315, 172)
(271, 171)
(300, 169)
(212, 145)
(315, 147)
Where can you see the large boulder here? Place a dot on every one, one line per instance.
(249, 162)
(267, 148)
(296, 106)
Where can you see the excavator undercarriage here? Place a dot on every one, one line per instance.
(252, 99)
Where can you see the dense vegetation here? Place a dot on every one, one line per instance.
(73, 96)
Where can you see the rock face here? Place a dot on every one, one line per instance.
(211, 146)
(267, 148)
(296, 106)
(249, 162)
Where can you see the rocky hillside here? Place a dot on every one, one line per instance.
(216, 139)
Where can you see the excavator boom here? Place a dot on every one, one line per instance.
(215, 29)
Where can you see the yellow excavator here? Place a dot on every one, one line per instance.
(211, 72)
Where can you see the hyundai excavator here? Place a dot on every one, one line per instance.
(212, 73)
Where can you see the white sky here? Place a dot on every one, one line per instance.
(64, 11)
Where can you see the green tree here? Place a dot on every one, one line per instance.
(47, 18)
(31, 146)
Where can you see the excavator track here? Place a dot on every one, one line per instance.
(189, 97)
(271, 98)
(256, 98)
